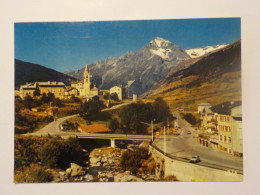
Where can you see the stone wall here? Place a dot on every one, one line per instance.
(185, 171)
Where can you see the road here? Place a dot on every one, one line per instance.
(53, 127)
(185, 146)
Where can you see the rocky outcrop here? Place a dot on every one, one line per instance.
(104, 166)
(126, 177)
(105, 157)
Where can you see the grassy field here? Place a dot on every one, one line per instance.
(183, 93)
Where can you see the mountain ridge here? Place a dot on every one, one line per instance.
(30, 72)
(146, 66)
(214, 77)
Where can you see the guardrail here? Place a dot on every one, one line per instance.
(186, 160)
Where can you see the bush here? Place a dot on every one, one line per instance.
(33, 174)
(114, 124)
(114, 96)
(26, 150)
(60, 153)
(132, 161)
(170, 178)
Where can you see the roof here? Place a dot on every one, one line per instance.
(51, 83)
(225, 108)
(205, 104)
(28, 86)
(69, 88)
(207, 110)
(76, 82)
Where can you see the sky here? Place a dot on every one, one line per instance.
(71, 45)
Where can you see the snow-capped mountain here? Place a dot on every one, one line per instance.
(144, 67)
(200, 51)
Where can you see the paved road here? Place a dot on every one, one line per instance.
(117, 106)
(53, 127)
(185, 145)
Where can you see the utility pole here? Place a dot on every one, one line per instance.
(164, 144)
(168, 126)
(152, 129)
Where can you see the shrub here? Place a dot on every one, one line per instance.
(60, 153)
(132, 161)
(26, 150)
(170, 178)
(114, 124)
(33, 174)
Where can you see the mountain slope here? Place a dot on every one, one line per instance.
(145, 67)
(214, 78)
(29, 72)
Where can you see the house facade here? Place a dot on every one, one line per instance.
(224, 133)
(57, 88)
(237, 130)
(27, 89)
(119, 90)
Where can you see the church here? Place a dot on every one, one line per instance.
(85, 89)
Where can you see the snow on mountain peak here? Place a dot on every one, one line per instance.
(160, 41)
(200, 51)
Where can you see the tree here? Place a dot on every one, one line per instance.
(90, 107)
(37, 92)
(57, 102)
(190, 118)
(161, 110)
(114, 96)
(114, 124)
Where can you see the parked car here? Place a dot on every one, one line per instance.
(195, 159)
(188, 132)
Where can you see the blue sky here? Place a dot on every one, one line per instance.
(71, 45)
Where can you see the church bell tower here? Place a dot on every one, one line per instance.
(86, 81)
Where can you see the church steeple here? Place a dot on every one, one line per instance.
(86, 75)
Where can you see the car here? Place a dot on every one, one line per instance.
(195, 159)
(188, 132)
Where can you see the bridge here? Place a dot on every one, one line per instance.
(113, 137)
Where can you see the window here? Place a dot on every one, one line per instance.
(229, 128)
(228, 118)
(225, 138)
(220, 137)
(229, 140)
(230, 151)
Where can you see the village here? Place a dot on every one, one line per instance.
(219, 129)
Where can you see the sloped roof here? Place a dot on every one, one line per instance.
(204, 104)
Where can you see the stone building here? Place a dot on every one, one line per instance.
(119, 90)
(57, 88)
(27, 89)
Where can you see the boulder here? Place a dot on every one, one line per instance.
(94, 160)
(68, 171)
(88, 177)
(76, 170)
